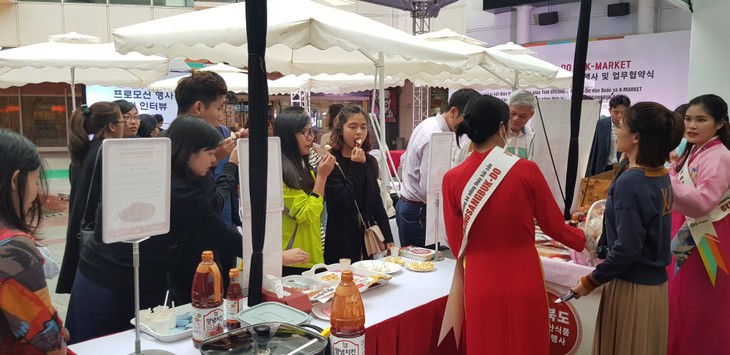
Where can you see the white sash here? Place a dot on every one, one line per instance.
(698, 227)
(477, 191)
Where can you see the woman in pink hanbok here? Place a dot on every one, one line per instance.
(699, 276)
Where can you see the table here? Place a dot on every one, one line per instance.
(396, 155)
(402, 317)
(559, 277)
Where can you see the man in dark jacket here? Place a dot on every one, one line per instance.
(603, 150)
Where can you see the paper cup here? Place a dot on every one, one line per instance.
(161, 324)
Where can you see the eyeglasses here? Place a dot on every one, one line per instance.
(122, 122)
(130, 118)
(307, 133)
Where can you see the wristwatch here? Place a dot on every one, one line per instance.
(314, 194)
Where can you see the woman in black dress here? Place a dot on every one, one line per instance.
(352, 186)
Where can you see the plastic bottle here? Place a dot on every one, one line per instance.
(207, 300)
(234, 299)
(347, 318)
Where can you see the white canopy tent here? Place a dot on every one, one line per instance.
(333, 83)
(304, 37)
(237, 81)
(475, 77)
(515, 70)
(78, 59)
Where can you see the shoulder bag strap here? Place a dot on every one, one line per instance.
(359, 214)
(88, 195)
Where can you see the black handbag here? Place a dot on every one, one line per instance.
(86, 233)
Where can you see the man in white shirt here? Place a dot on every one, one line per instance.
(521, 109)
(411, 207)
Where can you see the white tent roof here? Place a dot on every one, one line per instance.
(303, 37)
(516, 70)
(237, 81)
(78, 59)
(332, 83)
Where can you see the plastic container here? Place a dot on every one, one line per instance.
(348, 318)
(207, 300)
(272, 312)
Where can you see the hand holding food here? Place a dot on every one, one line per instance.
(358, 154)
(225, 149)
(326, 165)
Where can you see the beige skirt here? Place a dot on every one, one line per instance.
(632, 319)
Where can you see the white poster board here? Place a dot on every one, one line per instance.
(135, 187)
(556, 119)
(649, 67)
(439, 164)
(162, 102)
(274, 208)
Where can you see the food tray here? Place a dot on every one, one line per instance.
(378, 266)
(421, 266)
(331, 276)
(303, 284)
(174, 335)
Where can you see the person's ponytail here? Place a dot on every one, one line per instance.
(79, 135)
(464, 128)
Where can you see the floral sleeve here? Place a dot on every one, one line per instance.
(32, 325)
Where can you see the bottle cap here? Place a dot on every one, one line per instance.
(207, 255)
(233, 273)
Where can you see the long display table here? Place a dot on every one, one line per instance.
(404, 317)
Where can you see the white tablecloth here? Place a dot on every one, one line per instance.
(407, 290)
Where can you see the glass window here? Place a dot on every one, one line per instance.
(10, 112)
(44, 120)
(85, 1)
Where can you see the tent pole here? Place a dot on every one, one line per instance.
(384, 171)
(576, 102)
(380, 79)
(497, 75)
(73, 89)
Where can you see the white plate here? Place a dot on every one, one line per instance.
(378, 266)
(167, 338)
(322, 310)
(410, 266)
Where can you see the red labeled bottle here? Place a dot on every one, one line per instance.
(234, 299)
(207, 300)
(347, 319)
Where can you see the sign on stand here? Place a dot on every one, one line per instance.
(274, 208)
(136, 188)
(439, 164)
(135, 185)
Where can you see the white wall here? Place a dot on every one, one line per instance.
(500, 28)
(32, 22)
(709, 49)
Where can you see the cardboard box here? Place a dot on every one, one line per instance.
(594, 188)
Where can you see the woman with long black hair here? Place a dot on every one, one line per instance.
(303, 191)
(29, 324)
